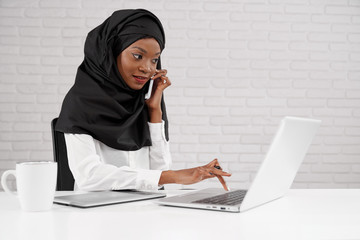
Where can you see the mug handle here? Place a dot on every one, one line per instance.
(4, 183)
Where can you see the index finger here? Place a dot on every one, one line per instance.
(160, 72)
(223, 183)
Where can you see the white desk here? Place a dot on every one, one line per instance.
(302, 214)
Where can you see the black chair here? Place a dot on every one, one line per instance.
(65, 179)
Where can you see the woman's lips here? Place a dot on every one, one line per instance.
(140, 79)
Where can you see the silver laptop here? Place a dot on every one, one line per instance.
(102, 198)
(272, 180)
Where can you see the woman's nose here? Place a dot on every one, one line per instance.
(145, 68)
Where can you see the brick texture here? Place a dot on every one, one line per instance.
(237, 67)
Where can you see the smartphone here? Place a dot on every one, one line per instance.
(148, 94)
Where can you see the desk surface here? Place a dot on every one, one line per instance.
(301, 214)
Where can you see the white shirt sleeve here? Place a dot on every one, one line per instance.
(93, 169)
(160, 157)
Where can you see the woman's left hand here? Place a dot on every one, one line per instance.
(161, 81)
(194, 175)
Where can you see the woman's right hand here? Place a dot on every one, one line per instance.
(161, 82)
(194, 175)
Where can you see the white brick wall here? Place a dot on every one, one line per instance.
(237, 67)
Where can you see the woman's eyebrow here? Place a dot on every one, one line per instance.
(144, 51)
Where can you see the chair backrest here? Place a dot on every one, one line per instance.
(65, 179)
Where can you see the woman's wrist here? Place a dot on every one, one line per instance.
(155, 115)
(167, 177)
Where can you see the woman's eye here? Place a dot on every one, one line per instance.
(137, 56)
(155, 60)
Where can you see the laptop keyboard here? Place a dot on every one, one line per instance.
(229, 198)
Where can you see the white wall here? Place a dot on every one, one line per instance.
(237, 68)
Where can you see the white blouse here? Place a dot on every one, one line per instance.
(95, 166)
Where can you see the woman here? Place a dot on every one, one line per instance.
(115, 138)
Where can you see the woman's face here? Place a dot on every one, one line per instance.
(137, 63)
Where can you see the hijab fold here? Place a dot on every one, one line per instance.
(100, 103)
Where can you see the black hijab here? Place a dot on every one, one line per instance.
(100, 103)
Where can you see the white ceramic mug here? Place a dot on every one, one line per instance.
(36, 183)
